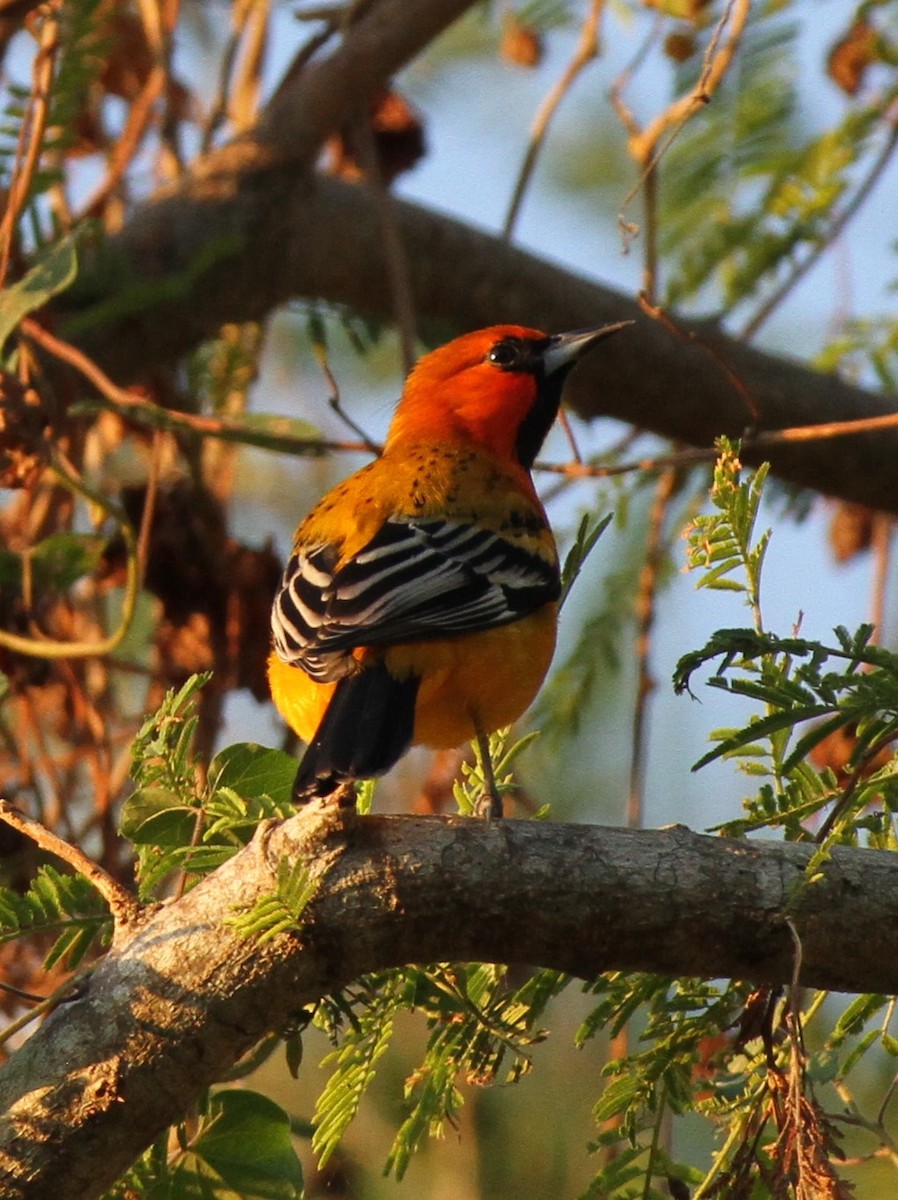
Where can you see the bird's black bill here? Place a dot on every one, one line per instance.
(564, 349)
(556, 356)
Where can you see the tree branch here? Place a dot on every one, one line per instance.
(322, 239)
(167, 1013)
(251, 226)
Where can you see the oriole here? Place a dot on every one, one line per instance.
(419, 604)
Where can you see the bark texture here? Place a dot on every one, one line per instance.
(180, 998)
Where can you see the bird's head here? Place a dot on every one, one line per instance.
(499, 388)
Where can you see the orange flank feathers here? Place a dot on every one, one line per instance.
(419, 603)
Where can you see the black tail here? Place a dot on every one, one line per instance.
(366, 728)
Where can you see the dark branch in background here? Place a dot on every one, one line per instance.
(252, 225)
(167, 1013)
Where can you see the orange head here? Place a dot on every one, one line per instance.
(498, 388)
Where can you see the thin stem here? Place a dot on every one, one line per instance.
(645, 618)
(883, 524)
(33, 127)
(128, 142)
(122, 905)
(648, 146)
(654, 1146)
(133, 406)
(149, 503)
(586, 50)
(690, 337)
(50, 648)
(21, 994)
(46, 1005)
(395, 257)
(494, 810)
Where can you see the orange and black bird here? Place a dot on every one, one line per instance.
(419, 605)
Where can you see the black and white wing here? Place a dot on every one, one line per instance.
(416, 579)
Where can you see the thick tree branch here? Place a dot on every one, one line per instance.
(164, 1015)
(251, 226)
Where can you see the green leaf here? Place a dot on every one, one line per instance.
(293, 1051)
(870, 1038)
(890, 1044)
(355, 1064)
(57, 903)
(283, 911)
(53, 272)
(269, 431)
(161, 754)
(272, 431)
(72, 945)
(762, 727)
(856, 1015)
(251, 770)
(63, 558)
(157, 817)
(10, 568)
(617, 1096)
(584, 543)
(623, 1168)
(246, 1140)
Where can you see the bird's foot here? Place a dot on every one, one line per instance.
(489, 806)
(331, 791)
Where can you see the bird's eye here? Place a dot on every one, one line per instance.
(506, 354)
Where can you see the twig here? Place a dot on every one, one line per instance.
(855, 1117)
(246, 82)
(828, 429)
(149, 504)
(586, 50)
(131, 405)
(127, 143)
(218, 109)
(795, 986)
(170, 162)
(33, 128)
(21, 994)
(137, 407)
(122, 904)
(645, 145)
(701, 454)
(568, 429)
(395, 257)
(645, 618)
(650, 223)
(691, 337)
(629, 229)
(319, 349)
(619, 84)
(882, 547)
(50, 648)
(45, 1004)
